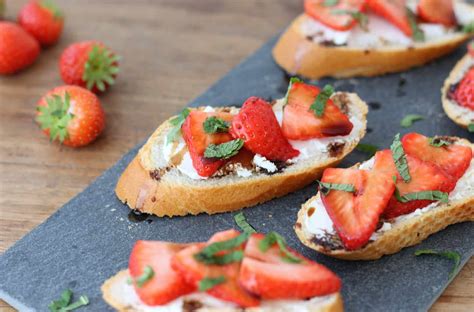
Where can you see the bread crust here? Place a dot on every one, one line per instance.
(298, 55)
(403, 234)
(454, 111)
(175, 197)
(117, 301)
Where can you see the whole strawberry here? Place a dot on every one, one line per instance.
(43, 20)
(89, 64)
(71, 115)
(18, 49)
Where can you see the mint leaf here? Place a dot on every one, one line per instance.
(452, 255)
(147, 275)
(209, 282)
(470, 127)
(177, 122)
(400, 159)
(360, 17)
(438, 142)
(330, 3)
(243, 224)
(320, 102)
(273, 238)
(292, 81)
(326, 187)
(417, 33)
(234, 256)
(469, 28)
(214, 125)
(367, 148)
(64, 303)
(225, 150)
(208, 254)
(409, 119)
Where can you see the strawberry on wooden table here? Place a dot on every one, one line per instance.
(258, 127)
(198, 138)
(18, 49)
(89, 64)
(355, 199)
(219, 280)
(336, 14)
(451, 159)
(273, 273)
(395, 11)
(155, 282)
(310, 113)
(71, 115)
(437, 11)
(43, 20)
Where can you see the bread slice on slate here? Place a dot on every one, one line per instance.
(149, 184)
(121, 296)
(405, 231)
(463, 116)
(299, 55)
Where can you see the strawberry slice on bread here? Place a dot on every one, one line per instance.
(162, 284)
(437, 11)
(394, 11)
(271, 275)
(338, 15)
(198, 140)
(355, 199)
(300, 121)
(257, 126)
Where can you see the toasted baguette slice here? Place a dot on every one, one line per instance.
(405, 231)
(463, 116)
(299, 55)
(121, 296)
(148, 187)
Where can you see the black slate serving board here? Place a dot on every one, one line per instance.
(89, 239)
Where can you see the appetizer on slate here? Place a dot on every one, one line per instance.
(395, 199)
(458, 92)
(345, 38)
(221, 159)
(231, 272)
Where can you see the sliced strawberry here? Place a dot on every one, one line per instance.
(453, 159)
(355, 215)
(424, 177)
(301, 123)
(197, 141)
(166, 284)
(257, 125)
(394, 11)
(470, 48)
(437, 11)
(337, 16)
(464, 92)
(267, 275)
(194, 271)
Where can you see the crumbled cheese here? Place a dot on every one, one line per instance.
(262, 162)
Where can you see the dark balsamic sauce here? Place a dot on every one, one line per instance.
(374, 105)
(137, 216)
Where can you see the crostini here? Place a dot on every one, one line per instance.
(396, 199)
(457, 94)
(231, 272)
(210, 160)
(346, 38)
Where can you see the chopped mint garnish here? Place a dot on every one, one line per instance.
(292, 81)
(330, 3)
(321, 100)
(243, 224)
(360, 17)
(438, 142)
(209, 282)
(470, 127)
(64, 303)
(326, 187)
(274, 238)
(225, 150)
(214, 125)
(400, 159)
(417, 33)
(452, 255)
(177, 122)
(367, 148)
(409, 119)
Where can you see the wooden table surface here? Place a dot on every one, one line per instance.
(172, 50)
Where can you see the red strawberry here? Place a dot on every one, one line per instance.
(43, 20)
(394, 11)
(166, 284)
(72, 115)
(197, 141)
(437, 11)
(424, 177)
(464, 93)
(89, 64)
(336, 16)
(18, 49)
(194, 271)
(355, 215)
(452, 159)
(257, 125)
(268, 276)
(301, 123)
(470, 48)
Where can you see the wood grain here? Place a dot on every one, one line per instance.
(172, 50)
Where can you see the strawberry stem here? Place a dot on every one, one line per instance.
(52, 8)
(55, 116)
(100, 68)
